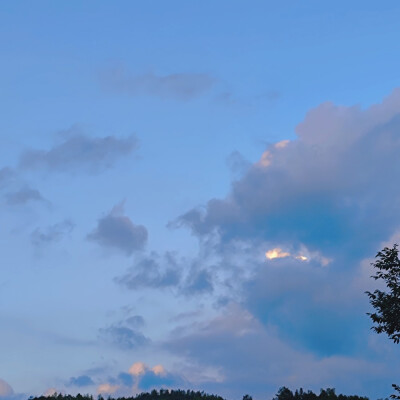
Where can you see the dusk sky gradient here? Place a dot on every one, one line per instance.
(192, 192)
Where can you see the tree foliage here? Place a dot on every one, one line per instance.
(325, 394)
(164, 394)
(387, 303)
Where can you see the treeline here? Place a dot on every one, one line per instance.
(164, 394)
(325, 394)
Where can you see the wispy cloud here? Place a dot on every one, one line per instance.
(53, 233)
(179, 86)
(123, 337)
(152, 271)
(78, 151)
(23, 196)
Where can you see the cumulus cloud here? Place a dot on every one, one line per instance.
(179, 86)
(288, 245)
(78, 152)
(116, 230)
(51, 234)
(331, 187)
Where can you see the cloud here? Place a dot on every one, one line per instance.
(107, 388)
(23, 196)
(178, 86)
(5, 389)
(247, 356)
(146, 378)
(288, 246)
(237, 164)
(53, 233)
(276, 253)
(135, 321)
(198, 281)
(116, 230)
(138, 368)
(81, 381)
(330, 187)
(152, 271)
(140, 377)
(123, 337)
(78, 152)
(6, 175)
(300, 298)
(51, 392)
(7, 392)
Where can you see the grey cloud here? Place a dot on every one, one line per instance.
(124, 337)
(81, 381)
(332, 186)
(125, 378)
(180, 86)
(152, 271)
(252, 357)
(53, 233)
(135, 321)
(151, 380)
(148, 378)
(23, 196)
(199, 281)
(301, 299)
(116, 230)
(77, 152)
(237, 164)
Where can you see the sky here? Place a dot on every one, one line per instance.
(192, 193)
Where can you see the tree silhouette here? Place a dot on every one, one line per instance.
(165, 394)
(387, 303)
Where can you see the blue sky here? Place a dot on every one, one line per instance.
(191, 194)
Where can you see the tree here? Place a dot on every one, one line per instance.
(284, 394)
(387, 303)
